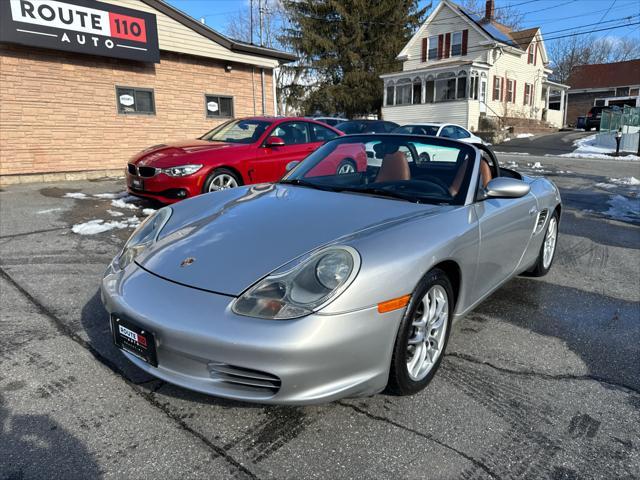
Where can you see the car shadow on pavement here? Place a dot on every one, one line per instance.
(35, 446)
(603, 331)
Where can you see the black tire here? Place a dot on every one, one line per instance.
(400, 381)
(344, 163)
(538, 269)
(218, 172)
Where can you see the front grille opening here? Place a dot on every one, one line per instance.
(244, 378)
(147, 171)
(542, 219)
(132, 169)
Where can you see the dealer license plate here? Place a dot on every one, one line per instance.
(135, 340)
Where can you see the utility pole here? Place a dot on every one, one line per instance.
(261, 12)
(264, 94)
(251, 22)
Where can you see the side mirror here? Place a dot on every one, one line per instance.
(503, 187)
(291, 165)
(274, 142)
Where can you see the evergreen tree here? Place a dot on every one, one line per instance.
(347, 45)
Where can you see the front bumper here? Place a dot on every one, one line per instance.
(167, 189)
(316, 359)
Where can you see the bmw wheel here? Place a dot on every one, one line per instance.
(423, 335)
(346, 166)
(221, 179)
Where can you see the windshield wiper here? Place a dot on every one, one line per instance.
(304, 183)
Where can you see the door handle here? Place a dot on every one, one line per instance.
(533, 211)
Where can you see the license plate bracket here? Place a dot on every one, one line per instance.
(134, 339)
(136, 183)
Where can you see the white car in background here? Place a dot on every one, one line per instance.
(446, 130)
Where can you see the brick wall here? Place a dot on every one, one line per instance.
(58, 111)
(579, 104)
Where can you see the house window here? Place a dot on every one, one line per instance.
(497, 88)
(462, 86)
(135, 101)
(622, 92)
(633, 92)
(531, 54)
(456, 44)
(390, 95)
(510, 90)
(445, 87)
(433, 48)
(473, 87)
(527, 94)
(429, 90)
(403, 92)
(599, 103)
(216, 106)
(417, 91)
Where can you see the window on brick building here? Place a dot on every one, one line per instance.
(135, 101)
(217, 106)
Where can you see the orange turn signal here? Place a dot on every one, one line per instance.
(394, 304)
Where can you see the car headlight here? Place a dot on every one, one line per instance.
(146, 233)
(182, 170)
(299, 289)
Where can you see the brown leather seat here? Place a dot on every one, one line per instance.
(394, 168)
(485, 172)
(457, 181)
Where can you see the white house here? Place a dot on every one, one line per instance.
(460, 66)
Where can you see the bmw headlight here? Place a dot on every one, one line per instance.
(182, 170)
(146, 233)
(297, 290)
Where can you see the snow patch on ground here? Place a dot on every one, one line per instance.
(148, 211)
(506, 140)
(76, 195)
(620, 182)
(586, 148)
(115, 213)
(93, 227)
(125, 202)
(525, 135)
(50, 210)
(623, 208)
(111, 195)
(536, 165)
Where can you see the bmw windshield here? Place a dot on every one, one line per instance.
(237, 131)
(402, 167)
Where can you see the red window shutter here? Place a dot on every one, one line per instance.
(504, 87)
(440, 46)
(447, 45)
(514, 91)
(535, 53)
(495, 84)
(524, 97)
(425, 42)
(465, 41)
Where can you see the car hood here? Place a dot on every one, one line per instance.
(182, 153)
(235, 237)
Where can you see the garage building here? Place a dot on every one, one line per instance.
(84, 84)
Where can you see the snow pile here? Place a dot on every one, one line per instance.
(125, 202)
(536, 165)
(93, 227)
(76, 195)
(625, 181)
(115, 213)
(148, 211)
(631, 183)
(525, 135)
(623, 208)
(513, 153)
(586, 148)
(111, 195)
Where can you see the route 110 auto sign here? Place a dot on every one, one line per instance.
(83, 26)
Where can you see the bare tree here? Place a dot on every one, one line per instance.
(507, 15)
(567, 53)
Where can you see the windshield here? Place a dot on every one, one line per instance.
(403, 167)
(431, 130)
(237, 131)
(350, 127)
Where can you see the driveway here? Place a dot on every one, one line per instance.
(541, 381)
(551, 144)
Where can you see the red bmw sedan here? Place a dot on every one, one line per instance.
(238, 152)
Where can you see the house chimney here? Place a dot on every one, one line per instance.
(490, 10)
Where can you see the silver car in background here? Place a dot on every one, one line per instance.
(329, 283)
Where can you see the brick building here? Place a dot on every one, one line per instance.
(66, 109)
(604, 84)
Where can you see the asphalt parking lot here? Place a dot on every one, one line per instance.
(541, 381)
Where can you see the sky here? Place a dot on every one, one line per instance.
(556, 17)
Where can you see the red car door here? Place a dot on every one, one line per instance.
(271, 161)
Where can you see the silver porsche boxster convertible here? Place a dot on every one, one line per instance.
(342, 279)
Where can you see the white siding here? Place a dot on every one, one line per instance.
(176, 37)
(555, 117)
(454, 112)
(446, 21)
(515, 67)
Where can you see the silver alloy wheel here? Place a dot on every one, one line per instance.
(428, 333)
(549, 247)
(346, 168)
(222, 181)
